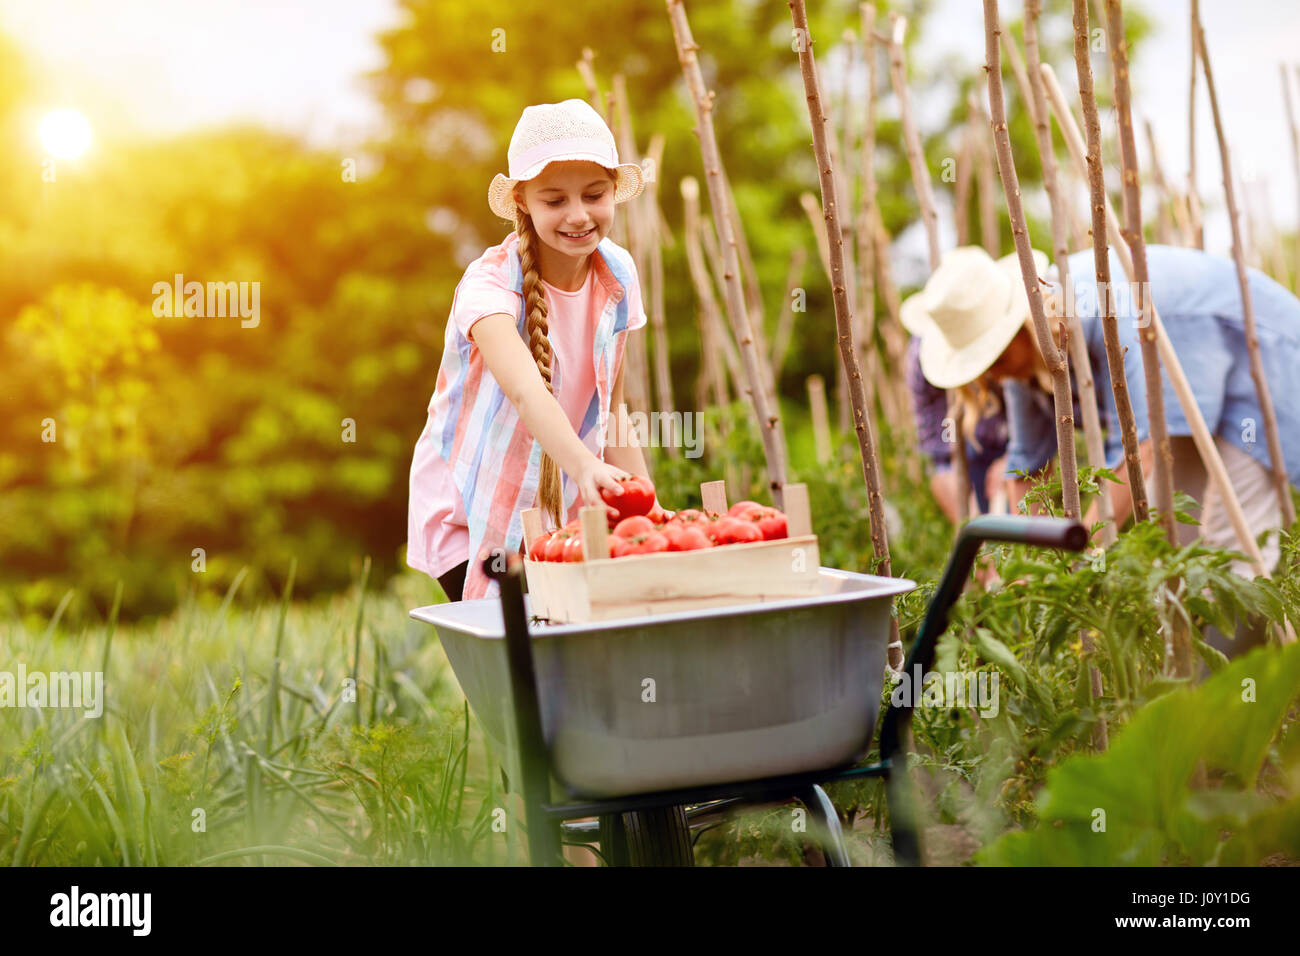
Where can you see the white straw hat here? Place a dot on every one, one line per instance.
(968, 313)
(554, 132)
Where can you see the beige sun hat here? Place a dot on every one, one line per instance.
(968, 313)
(555, 132)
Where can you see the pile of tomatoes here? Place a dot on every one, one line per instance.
(642, 527)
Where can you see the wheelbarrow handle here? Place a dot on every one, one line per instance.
(1065, 533)
(507, 570)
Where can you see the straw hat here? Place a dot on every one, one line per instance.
(554, 132)
(968, 313)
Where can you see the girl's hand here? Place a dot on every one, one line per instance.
(596, 475)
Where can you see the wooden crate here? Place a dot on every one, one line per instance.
(602, 588)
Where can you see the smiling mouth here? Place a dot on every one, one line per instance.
(578, 235)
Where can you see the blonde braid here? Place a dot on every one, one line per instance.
(549, 494)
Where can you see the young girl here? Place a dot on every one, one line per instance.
(532, 361)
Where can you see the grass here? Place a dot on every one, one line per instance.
(328, 733)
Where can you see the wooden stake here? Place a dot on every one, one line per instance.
(1088, 406)
(989, 234)
(1295, 160)
(1109, 324)
(1163, 468)
(785, 321)
(659, 328)
(912, 139)
(1053, 356)
(843, 319)
(820, 422)
(1194, 197)
(769, 419)
(714, 337)
(1280, 482)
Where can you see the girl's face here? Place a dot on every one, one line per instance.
(568, 199)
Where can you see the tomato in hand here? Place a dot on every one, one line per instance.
(631, 527)
(638, 496)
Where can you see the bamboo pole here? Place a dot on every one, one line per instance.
(816, 219)
(820, 419)
(863, 230)
(989, 234)
(1281, 485)
(1057, 363)
(1176, 211)
(785, 321)
(912, 139)
(1180, 641)
(1109, 324)
(1194, 196)
(961, 187)
(1182, 388)
(843, 320)
(930, 219)
(1163, 467)
(658, 327)
(710, 313)
(1074, 331)
(1295, 161)
(1088, 406)
(1022, 78)
(769, 419)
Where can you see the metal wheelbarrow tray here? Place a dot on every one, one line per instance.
(754, 703)
(675, 700)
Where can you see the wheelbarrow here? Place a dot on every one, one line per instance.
(662, 725)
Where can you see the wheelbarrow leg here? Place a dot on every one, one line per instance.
(823, 811)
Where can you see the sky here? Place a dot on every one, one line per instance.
(162, 66)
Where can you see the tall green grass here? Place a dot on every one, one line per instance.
(331, 733)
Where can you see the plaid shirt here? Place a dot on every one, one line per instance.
(475, 429)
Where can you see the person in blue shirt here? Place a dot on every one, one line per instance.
(976, 334)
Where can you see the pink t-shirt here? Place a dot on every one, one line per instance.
(572, 320)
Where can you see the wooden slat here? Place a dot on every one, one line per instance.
(714, 496)
(798, 513)
(595, 532)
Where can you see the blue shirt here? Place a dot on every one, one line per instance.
(1199, 301)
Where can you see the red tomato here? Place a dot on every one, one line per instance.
(574, 526)
(618, 546)
(555, 546)
(740, 507)
(735, 531)
(537, 551)
(686, 538)
(657, 515)
(688, 516)
(770, 522)
(637, 498)
(631, 527)
(651, 543)
(573, 548)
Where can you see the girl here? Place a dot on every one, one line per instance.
(533, 356)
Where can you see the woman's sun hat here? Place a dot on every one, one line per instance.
(555, 132)
(968, 313)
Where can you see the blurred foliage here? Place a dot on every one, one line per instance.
(131, 439)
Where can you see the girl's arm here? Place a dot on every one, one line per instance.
(512, 365)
